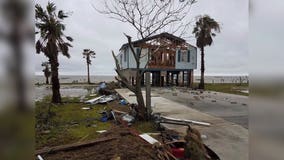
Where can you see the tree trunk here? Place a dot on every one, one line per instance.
(139, 97)
(56, 97)
(46, 80)
(148, 95)
(88, 73)
(201, 84)
(141, 105)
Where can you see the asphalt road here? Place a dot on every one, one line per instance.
(232, 108)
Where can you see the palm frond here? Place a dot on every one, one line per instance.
(40, 13)
(69, 38)
(51, 28)
(50, 8)
(64, 49)
(203, 30)
(61, 15)
(38, 47)
(68, 44)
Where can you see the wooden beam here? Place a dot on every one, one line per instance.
(72, 146)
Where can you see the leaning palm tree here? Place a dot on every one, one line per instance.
(204, 34)
(51, 41)
(46, 71)
(88, 54)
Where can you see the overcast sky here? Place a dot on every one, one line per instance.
(228, 54)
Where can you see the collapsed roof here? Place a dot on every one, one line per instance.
(164, 35)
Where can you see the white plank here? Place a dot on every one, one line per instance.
(148, 138)
(93, 100)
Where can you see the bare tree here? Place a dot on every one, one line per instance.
(147, 17)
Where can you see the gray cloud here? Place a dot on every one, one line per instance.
(228, 54)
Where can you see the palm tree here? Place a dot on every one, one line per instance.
(204, 34)
(88, 54)
(51, 41)
(46, 71)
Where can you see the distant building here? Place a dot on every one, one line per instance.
(171, 60)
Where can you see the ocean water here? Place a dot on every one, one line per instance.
(106, 78)
(81, 90)
(77, 78)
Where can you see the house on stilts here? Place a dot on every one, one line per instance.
(171, 60)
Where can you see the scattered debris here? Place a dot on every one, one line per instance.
(119, 143)
(69, 147)
(149, 139)
(82, 98)
(113, 115)
(39, 157)
(175, 120)
(101, 86)
(128, 118)
(86, 108)
(106, 99)
(120, 112)
(203, 136)
(101, 131)
(102, 99)
(123, 102)
(94, 100)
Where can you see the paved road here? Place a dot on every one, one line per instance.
(233, 108)
(228, 140)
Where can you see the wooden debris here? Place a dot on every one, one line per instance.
(186, 120)
(39, 157)
(72, 146)
(148, 138)
(117, 111)
(101, 131)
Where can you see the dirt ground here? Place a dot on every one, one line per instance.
(116, 106)
(126, 147)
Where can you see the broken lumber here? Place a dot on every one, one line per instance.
(72, 146)
(148, 138)
(117, 111)
(186, 120)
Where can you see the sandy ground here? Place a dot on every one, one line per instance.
(229, 140)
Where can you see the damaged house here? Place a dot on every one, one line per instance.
(170, 60)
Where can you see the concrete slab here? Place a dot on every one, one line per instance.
(227, 139)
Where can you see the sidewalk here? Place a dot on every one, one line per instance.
(228, 140)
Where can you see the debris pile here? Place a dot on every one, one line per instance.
(117, 143)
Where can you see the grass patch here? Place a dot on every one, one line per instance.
(231, 88)
(145, 126)
(67, 122)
